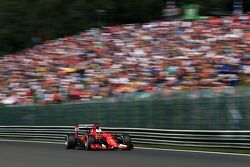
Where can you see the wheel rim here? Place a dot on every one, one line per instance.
(86, 143)
(66, 141)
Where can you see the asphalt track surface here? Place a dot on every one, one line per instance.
(14, 154)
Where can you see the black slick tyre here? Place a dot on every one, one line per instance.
(90, 140)
(70, 141)
(126, 140)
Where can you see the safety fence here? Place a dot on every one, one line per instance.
(196, 110)
(194, 138)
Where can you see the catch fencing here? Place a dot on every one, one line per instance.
(194, 110)
(162, 137)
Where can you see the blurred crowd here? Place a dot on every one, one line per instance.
(159, 56)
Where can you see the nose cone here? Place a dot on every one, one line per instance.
(112, 142)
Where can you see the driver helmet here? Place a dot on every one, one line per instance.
(98, 129)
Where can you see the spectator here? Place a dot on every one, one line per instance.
(157, 56)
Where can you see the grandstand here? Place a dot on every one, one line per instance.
(161, 56)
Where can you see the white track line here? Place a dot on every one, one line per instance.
(190, 151)
(24, 141)
(143, 148)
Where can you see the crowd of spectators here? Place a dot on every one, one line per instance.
(109, 61)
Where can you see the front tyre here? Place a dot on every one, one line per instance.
(70, 141)
(126, 140)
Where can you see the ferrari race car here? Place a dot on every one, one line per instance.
(95, 139)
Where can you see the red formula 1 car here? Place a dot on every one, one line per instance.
(96, 139)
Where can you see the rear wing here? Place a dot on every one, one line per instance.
(83, 126)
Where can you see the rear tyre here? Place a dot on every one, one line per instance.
(70, 141)
(90, 140)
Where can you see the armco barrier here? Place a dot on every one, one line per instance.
(195, 138)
